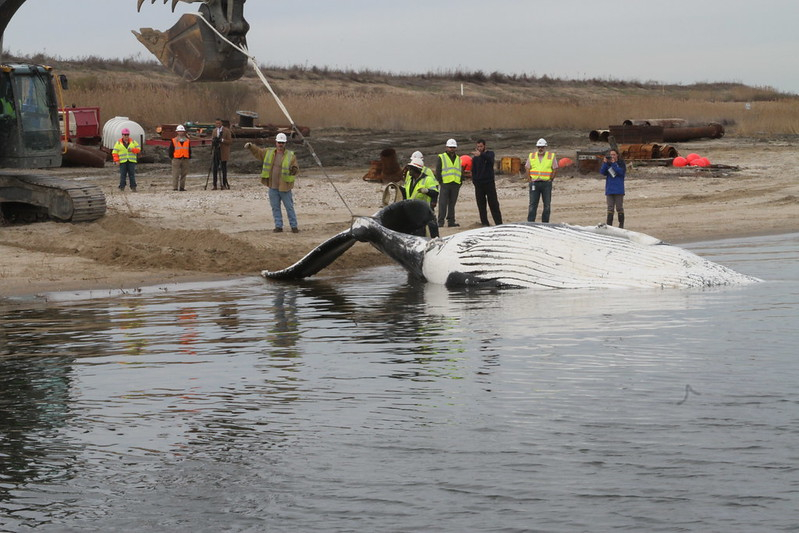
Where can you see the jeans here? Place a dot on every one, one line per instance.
(127, 169)
(543, 190)
(275, 197)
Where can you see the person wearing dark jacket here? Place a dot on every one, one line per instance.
(485, 188)
(614, 169)
(221, 141)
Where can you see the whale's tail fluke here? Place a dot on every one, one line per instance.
(317, 259)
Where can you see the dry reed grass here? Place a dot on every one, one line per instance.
(321, 98)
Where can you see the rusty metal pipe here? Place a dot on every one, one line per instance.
(665, 122)
(599, 135)
(711, 131)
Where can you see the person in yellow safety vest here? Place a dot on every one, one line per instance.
(421, 184)
(125, 154)
(448, 173)
(180, 152)
(7, 108)
(541, 168)
(279, 172)
(7, 100)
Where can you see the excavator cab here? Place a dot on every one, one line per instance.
(29, 130)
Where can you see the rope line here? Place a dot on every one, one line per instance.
(257, 69)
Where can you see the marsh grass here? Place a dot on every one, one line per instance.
(442, 101)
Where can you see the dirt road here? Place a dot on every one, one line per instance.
(157, 235)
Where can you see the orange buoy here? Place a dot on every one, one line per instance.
(702, 162)
(679, 161)
(466, 163)
(690, 157)
(564, 162)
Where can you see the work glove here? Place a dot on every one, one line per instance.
(293, 170)
(424, 190)
(247, 145)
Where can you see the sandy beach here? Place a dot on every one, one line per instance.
(158, 236)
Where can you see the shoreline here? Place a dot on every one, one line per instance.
(152, 281)
(160, 237)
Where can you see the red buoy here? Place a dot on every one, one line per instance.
(679, 161)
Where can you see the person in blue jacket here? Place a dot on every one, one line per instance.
(614, 170)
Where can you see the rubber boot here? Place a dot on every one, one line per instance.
(610, 218)
(621, 220)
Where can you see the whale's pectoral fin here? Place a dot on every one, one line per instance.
(317, 259)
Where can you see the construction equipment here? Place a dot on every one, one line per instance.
(30, 134)
(193, 51)
(30, 137)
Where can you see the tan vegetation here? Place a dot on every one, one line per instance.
(321, 98)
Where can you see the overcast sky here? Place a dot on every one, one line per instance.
(677, 41)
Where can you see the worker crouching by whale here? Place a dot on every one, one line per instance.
(421, 184)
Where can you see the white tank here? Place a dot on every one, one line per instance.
(112, 131)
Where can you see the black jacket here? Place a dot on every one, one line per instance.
(483, 167)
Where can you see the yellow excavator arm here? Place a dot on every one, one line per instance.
(190, 49)
(194, 51)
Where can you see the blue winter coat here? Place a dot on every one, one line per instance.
(614, 185)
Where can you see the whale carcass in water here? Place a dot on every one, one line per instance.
(522, 255)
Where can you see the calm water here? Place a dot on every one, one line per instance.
(368, 404)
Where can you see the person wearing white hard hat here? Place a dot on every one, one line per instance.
(541, 167)
(125, 154)
(421, 184)
(279, 172)
(449, 175)
(180, 152)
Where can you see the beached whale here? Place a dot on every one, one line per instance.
(525, 254)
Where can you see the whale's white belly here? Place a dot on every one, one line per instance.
(563, 257)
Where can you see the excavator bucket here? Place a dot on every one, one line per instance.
(193, 50)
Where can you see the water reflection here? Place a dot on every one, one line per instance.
(287, 402)
(35, 406)
(283, 331)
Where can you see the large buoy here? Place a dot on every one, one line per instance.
(679, 161)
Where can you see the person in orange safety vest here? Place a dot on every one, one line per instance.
(180, 152)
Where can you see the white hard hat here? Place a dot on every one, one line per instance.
(281, 138)
(417, 159)
(541, 142)
(180, 128)
(452, 143)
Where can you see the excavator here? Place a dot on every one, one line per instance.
(30, 134)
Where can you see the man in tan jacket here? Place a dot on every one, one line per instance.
(278, 173)
(221, 140)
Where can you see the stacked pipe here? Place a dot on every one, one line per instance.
(673, 130)
(647, 151)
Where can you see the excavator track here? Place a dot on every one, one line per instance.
(62, 199)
